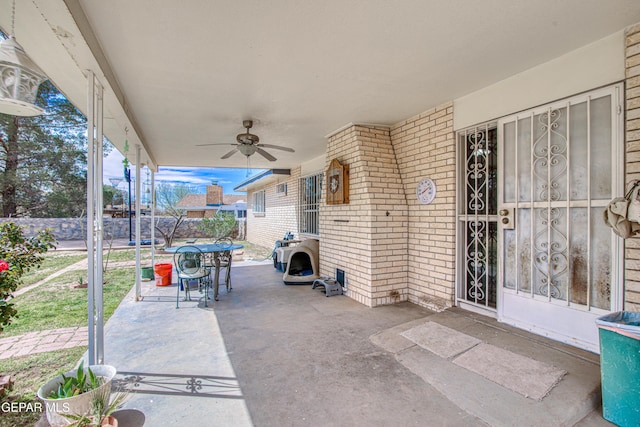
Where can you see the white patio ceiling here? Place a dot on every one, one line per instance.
(181, 73)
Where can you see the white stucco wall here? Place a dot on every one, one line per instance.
(597, 64)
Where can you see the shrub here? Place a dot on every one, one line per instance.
(18, 255)
(219, 225)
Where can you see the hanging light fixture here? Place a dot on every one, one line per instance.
(20, 77)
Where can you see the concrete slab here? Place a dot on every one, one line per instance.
(573, 401)
(268, 354)
(305, 359)
(174, 361)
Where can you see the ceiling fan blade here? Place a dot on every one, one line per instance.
(219, 143)
(229, 154)
(265, 154)
(277, 147)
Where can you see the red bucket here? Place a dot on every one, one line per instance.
(163, 274)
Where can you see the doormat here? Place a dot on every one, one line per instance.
(438, 339)
(521, 374)
(530, 378)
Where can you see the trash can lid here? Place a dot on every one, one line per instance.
(623, 322)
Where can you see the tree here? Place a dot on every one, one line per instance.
(43, 159)
(18, 255)
(167, 198)
(108, 195)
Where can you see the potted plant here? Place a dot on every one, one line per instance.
(102, 406)
(77, 393)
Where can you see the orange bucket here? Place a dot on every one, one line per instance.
(163, 274)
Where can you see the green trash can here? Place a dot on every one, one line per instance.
(620, 367)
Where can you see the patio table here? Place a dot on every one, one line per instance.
(216, 253)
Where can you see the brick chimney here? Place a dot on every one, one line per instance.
(214, 194)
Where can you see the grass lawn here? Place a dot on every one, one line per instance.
(53, 262)
(55, 304)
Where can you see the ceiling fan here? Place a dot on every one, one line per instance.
(248, 144)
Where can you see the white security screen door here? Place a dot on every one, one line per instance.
(478, 218)
(560, 265)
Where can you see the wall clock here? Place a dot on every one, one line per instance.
(337, 183)
(426, 191)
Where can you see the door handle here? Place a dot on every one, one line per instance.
(507, 219)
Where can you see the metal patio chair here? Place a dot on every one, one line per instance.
(225, 260)
(190, 265)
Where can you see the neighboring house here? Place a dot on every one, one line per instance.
(214, 200)
(518, 172)
(239, 209)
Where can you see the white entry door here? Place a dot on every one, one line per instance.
(560, 266)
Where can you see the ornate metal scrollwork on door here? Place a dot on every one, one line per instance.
(549, 154)
(481, 203)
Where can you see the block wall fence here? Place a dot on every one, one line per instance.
(76, 229)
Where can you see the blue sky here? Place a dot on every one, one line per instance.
(196, 177)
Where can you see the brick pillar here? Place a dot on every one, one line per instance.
(368, 236)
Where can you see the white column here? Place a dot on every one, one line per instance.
(95, 306)
(91, 90)
(138, 199)
(153, 219)
(99, 281)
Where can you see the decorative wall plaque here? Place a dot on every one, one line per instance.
(337, 183)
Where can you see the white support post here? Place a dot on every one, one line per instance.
(153, 220)
(138, 197)
(95, 305)
(91, 89)
(99, 277)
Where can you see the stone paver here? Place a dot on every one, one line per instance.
(42, 341)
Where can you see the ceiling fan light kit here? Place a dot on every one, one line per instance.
(247, 150)
(248, 144)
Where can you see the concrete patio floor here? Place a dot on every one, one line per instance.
(267, 354)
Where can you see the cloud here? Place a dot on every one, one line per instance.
(197, 177)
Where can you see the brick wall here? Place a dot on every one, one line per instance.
(632, 140)
(280, 212)
(425, 148)
(368, 236)
(195, 214)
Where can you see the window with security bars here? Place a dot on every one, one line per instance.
(309, 204)
(257, 202)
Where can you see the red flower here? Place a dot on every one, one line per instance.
(4, 265)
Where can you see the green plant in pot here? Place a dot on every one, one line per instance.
(102, 406)
(82, 382)
(74, 397)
